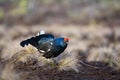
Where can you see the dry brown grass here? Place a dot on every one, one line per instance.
(66, 61)
(15, 55)
(106, 54)
(9, 73)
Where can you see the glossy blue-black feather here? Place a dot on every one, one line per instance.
(34, 41)
(59, 45)
(48, 45)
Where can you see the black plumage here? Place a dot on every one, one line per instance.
(46, 44)
(37, 40)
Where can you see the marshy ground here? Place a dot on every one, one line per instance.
(97, 49)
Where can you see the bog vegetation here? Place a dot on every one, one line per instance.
(93, 52)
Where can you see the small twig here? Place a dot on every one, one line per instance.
(88, 65)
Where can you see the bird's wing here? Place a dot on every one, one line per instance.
(34, 40)
(44, 47)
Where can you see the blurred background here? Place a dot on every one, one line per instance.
(84, 12)
(91, 25)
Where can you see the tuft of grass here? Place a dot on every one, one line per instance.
(109, 55)
(68, 61)
(9, 73)
(29, 54)
(23, 55)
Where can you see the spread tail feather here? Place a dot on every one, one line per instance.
(33, 41)
(23, 43)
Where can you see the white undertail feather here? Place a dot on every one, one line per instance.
(41, 32)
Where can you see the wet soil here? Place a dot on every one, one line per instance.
(91, 71)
